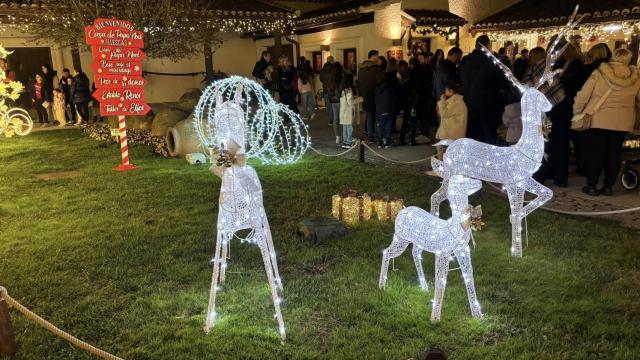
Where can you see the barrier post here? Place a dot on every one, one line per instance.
(361, 150)
(8, 346)
(124, 148)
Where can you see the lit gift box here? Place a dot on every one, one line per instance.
(386, 209)
(351, 207)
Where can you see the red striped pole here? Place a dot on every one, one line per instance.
(124, 149)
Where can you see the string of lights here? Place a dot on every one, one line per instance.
(447, 239)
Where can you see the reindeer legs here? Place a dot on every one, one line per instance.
(516, 198)
(217, 262)
(272, 251)
(464, 259)
(442, 269)
(397, 247)
(438, 197)
(542, 193)
(417, 258)
(269, 260)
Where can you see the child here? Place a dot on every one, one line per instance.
(307, 96)
(348, 100)
(453, 115)
(512, 119)
(59, 107)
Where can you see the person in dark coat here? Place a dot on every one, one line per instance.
(65, 86)
(406, 95)
(447, 70)
(326, 78)
(369, 76)
(561, 115)
(80, 93)
(521, 64)
(286, 87)
(482, 82)
(424, 103)
(260, 67)
(385, 96)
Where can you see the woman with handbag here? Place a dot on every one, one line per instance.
(605, 110)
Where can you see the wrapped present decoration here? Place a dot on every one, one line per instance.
(386, 208)
(351, 207)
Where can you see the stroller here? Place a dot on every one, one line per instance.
(630, 174)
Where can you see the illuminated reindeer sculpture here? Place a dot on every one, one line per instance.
(241, 204)
(512, 166)
(444, 238)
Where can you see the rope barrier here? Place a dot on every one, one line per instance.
(395, 161)
(580, 213)
(333, 155)
(4, 295)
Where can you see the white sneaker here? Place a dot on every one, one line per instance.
(312, 117)
(432, 173)
(337, 139)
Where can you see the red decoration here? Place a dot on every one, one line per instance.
(117, 64)
(118, 95)
(119, 81)
(106, 67)
(116, 53)
(124, 108)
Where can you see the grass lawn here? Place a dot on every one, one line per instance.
(121, 260)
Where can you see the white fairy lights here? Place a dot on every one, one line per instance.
(445, 238)
(272, 133)
(512, 166)
(238, 118)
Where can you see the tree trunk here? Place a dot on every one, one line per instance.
(634, 47)
(75, 58)
(208, 62)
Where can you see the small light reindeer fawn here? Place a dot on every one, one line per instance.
(513, 166)
(444, 238)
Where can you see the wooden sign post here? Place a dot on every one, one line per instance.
(8, 346)
(117, 64)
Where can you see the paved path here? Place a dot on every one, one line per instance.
(566, 199)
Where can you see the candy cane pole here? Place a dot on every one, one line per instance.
(124, 149)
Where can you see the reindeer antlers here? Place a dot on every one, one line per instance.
(507, 72)
(554, 54)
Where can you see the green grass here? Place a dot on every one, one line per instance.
(122, 261)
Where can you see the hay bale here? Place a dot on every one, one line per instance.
(189, 100)
(165, 119)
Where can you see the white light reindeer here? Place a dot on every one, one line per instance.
(241, 206)
(513, 166)
(444, 238)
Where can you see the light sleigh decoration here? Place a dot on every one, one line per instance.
(512, 166)
(237, 119)
(444, 238)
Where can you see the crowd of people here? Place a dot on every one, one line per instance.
(62, 100)
(456, 96)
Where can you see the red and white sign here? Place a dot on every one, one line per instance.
(106, 67)
(113, 53)
(124, 108)
(118, 95)
(119, 81)
(117, 65)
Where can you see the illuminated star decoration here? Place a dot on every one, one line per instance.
(512, 166)
(271, 132)
(445, 238)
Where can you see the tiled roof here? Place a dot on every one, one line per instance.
(338, 12)
(435, 17)
(545, 13)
